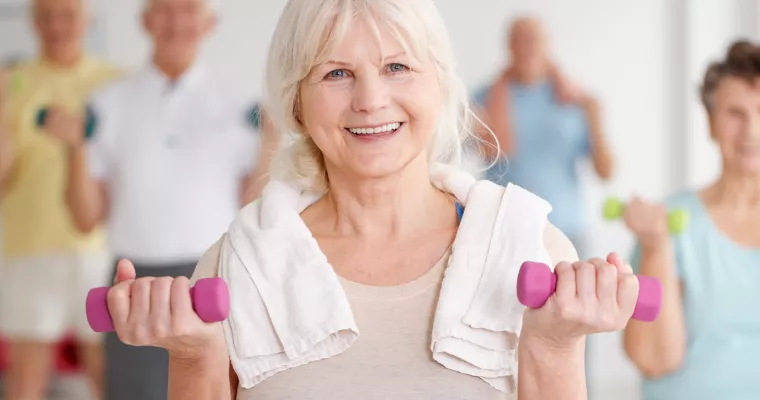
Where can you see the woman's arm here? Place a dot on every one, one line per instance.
(591, 297)
(7, 154)
(254, 183)
(658, 348)
(212, 376)
(206, 378)
(86, 198)
(601, 155)
(548, 373)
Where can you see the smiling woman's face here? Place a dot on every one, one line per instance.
(735, 124)
(371, 109)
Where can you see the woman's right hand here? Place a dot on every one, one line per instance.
(158, 312)
(648, 221)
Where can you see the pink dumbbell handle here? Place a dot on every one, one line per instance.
(536, 283)
(210, 297)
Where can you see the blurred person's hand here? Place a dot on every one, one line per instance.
(159, 312)
(566, 90)
(65, 126)
(648, 221)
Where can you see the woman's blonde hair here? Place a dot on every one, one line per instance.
(307, 32)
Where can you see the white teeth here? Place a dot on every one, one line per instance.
(367, 131)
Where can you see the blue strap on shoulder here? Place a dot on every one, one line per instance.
(460, 211)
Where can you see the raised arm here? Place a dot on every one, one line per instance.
(656, 348)
(7, 153)
(209, 376)
(205, 376)
(254, 183)
(7, 157)
(591, 297)
(86, 197)
(601, 154)
(550, 372)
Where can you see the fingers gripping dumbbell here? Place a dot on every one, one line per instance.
(210, 298)
(536, 283)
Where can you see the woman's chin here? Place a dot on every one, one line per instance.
(377, 168)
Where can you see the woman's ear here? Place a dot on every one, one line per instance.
(297, 115)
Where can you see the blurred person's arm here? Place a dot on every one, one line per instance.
(269, 143)
(86, 197)
(7, 157)
(656, 348)
(570, 93)
(8, 147)
(487, 145)
(601, 154)
(7, 153)
(494, 130)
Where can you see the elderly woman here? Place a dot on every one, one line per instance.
(354, 257)
(707, 339)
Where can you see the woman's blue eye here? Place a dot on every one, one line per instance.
(337, 74)
(396, 67)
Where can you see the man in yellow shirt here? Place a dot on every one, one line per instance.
(49, 265)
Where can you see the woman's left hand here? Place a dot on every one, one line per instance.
(591, 297)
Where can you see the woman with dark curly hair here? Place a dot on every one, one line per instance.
(706, 342)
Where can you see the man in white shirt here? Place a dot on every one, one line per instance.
(172, 158)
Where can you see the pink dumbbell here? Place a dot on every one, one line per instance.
(210, 297)
(536, 283)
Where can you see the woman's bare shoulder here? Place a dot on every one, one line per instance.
(208, 265)
(559, 247)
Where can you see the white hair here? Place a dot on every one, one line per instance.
(305, 35)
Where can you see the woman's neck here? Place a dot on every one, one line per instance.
(735, 190)
(394, 207)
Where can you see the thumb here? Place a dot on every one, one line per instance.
(615, 259)
(125, 270)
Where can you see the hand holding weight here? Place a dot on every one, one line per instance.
(210, 297)
(89, 123)
(678, 219)
(536, 283)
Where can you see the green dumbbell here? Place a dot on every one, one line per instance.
(89, 124)
(677, 219)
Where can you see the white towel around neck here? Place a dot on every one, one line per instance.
(288, 307)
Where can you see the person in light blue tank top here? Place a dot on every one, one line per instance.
(542, 130)
(549, 139)
(706, 342)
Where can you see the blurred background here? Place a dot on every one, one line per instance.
(643, 60)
